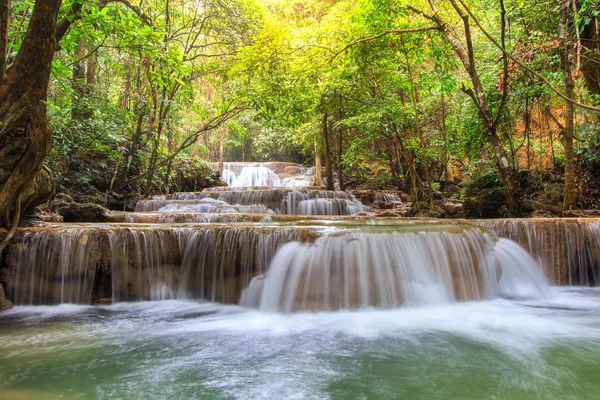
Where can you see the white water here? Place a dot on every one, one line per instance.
(262, 174)
(421, 312)
(574, 243)
(389, 270)
(499, 349)
(84, 264)
(260, 188)
(263, 201)
(208, 205)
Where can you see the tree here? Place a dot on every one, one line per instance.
(565, 64)
(25, 133)
(466, 55)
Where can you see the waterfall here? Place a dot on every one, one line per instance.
(393, 269)
(90, 264)
(254, 176)
(263, 201)
(331, 264)
(520, 278)
(274, 174)
(568, 249)
(272, 248)
(191, 217)
(54, 268)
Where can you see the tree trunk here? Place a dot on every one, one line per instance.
(528, 132)
(449, 176)
(92, 67)
(318, 169)
(154, 154)
(410, 166)
(504, 167)
(467, 57)
(4, 23)
(221, 150)
(25, 134)
(339, 159)
(328, 170)
(132, 151)
(570, 187)
(79, 108)
(415, 97)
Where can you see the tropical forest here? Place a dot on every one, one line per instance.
(311, 199)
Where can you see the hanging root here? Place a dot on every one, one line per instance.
(14, 225)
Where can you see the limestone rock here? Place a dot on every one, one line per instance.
(5, 304)
(51, 217)
(123, 202)
(81, 212)
(63, 198)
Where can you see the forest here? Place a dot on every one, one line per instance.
(491, 104)
(300, 199)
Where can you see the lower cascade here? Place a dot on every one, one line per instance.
(274, 267)
(394, 269)
(97, 264)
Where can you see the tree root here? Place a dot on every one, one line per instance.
(14, 225)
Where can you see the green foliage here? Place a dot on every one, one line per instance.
(135, 83)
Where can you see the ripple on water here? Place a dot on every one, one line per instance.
(179, 349)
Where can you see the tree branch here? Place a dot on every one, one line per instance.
(382, 34)
(75, 13)
(4, 23)
(525, 67)
(211, 124)
(504, 64)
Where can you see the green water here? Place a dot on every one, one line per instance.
(188, 350)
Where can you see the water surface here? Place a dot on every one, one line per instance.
(499, 349)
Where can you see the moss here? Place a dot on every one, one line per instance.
(191, 175)
(484, 196)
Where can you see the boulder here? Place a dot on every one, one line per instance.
(81, 212)
(63, 197)
(51, 217)
(123, 202)
(5, 304)
(405, 197)
(452, 208)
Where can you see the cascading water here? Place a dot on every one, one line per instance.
(336, 267)
(413, 287)
(393, 269)
(274, 174)
(92, 264)
(324, 251)
(570, 248)
(259, 201)
(260, 188)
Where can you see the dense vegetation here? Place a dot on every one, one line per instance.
(418, 95)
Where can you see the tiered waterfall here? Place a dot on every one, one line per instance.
(272, 241)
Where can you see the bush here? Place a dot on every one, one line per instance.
(484, 194)
(191, 175)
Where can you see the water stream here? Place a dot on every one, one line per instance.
(271, 288)
(499, 349)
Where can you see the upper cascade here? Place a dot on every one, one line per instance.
(257, 201)
(259, 188)
(273, 174)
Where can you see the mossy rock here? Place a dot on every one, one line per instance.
(484, 196)
(81, 212)
(5, 304)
